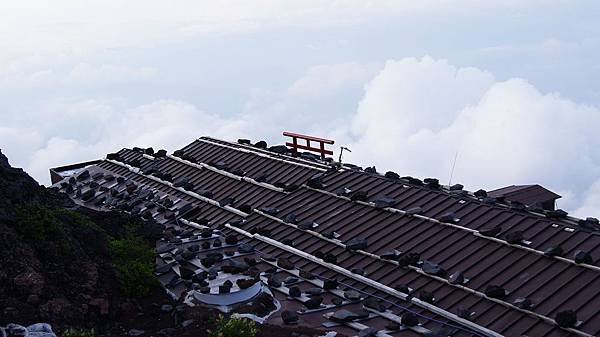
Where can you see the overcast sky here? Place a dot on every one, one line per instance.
(512, 88)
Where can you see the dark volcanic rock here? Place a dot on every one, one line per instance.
(294, 291)
(581, 256)
(343, 316)
(433, 269)
(566, 319)
(285, 263)
(314, 302)
(409, 319)
(495, 291)
(289, 317)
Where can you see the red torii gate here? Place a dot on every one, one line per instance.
(322, 141)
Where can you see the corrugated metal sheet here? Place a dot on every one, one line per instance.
(552, 284)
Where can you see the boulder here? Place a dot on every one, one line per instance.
(480, 193)
(224, 289)
(245, 283)
(408, 258)
(515, 237)
(554, 251)
(352, 295)
(432, 182)
(330, 258)
(280, 149)
(245, 248)
(403, 288)
(356, 244)
(495, 291)
(557, 214)
(566, 319)
(274, 282)
(427, 296)
(261, 144)
(409, 319)
(315, 182)
(491, 232)
(294, 291)
(231, 240)
(261, 178)
(449, 217)
(291, 218)
(305, 225)
(414, 211)
(290, 280)
(457, 278)
(234, 267)
(374, 303)
(581, 256)
(358, 271)
(433, 269)
(359, 196)
(186, 273)
(40, 330)
(245, 208)
(330, 284)
(270, 210)
(314, 302)
(456, 187)
(306, 275)
(285, 263)
(344, 316)
(14, 330)
(289, 317)
(464, 313)
(384, 201)
(523, 303)
(392, 175)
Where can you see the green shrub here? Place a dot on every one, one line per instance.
(235, 327)
(134, 261)
(76, 218)
(37, 222)
(79, 333)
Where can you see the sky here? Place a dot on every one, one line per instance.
(511, 89)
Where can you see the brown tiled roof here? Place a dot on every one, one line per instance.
(331, 220)
(526, 194)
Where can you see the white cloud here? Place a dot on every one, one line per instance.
(416, 114)
(72, 131)
(411, 116)
(325, 80)
(76, 75)
(321, 100)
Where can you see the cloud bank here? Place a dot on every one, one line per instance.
(418, 114)
(412, 115)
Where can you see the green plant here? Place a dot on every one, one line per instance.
(37, 222)
(235, 327)
(134, 261)
(76, 218)
(79, 333)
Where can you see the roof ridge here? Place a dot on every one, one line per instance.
(573, 221)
